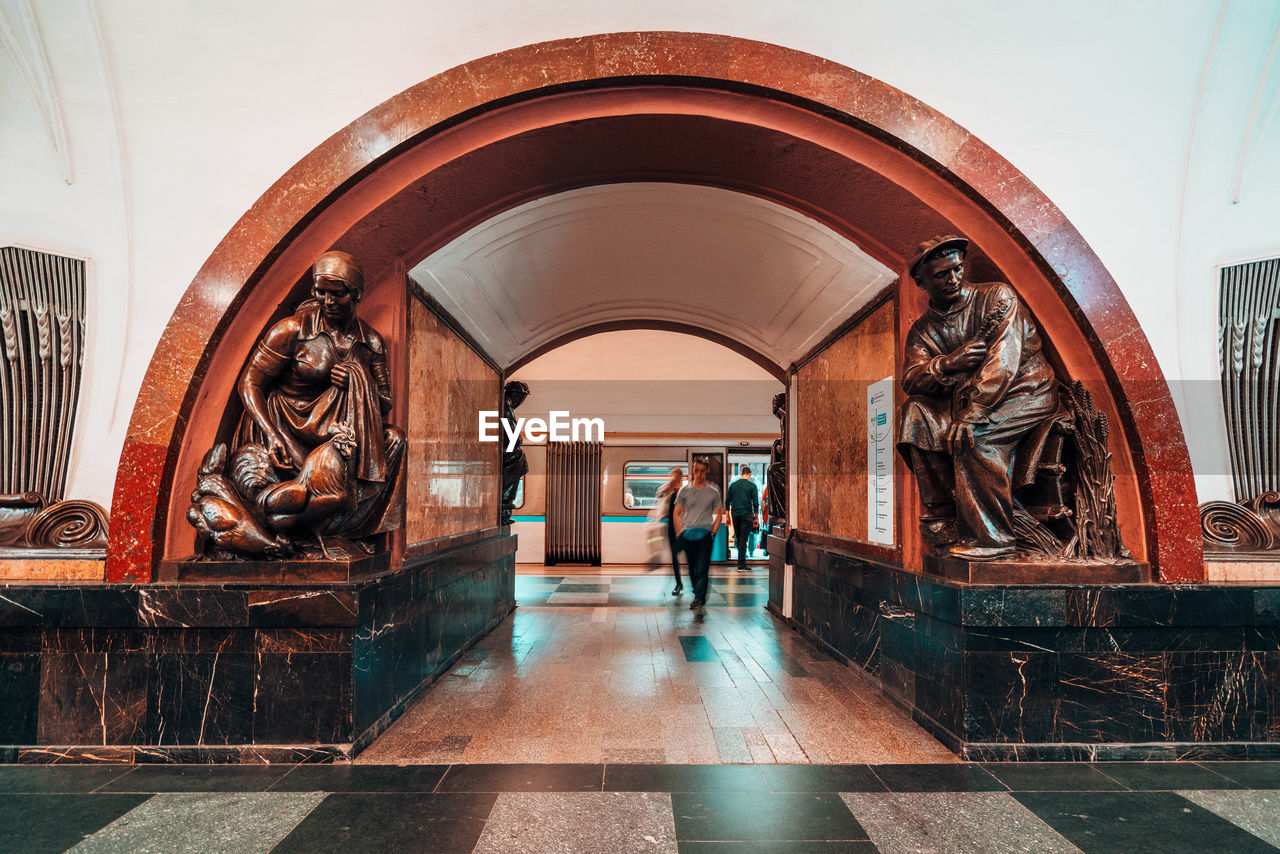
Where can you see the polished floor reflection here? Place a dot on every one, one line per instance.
(613, 668)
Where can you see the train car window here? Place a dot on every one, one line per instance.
(641, 481)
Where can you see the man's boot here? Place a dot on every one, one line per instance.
(938, 526)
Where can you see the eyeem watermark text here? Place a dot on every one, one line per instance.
(560, 428)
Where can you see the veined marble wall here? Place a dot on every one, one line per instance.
(1052, 672)
(306, 672)
(831, 451)
(452, 479)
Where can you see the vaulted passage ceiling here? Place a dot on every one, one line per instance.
(760, 274)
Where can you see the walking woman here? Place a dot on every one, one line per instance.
(667, 496)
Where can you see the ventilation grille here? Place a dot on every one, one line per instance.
(573, 503)
(1247, 331)
(42, 320)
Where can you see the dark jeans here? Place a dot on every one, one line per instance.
(978, 478)
(675, 541)
(742, 536)
(698, 555)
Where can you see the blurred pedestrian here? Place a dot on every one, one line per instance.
(699, 511)
(666, 501)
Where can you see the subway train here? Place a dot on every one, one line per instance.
(587, 503)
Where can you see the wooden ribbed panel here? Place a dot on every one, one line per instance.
(42, 300)
(573, 503)
(1250, 309)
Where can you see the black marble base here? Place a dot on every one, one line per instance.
(1061, 671)
(392, 714)
(1037, 572)
(779, 555)
(166, 755)
(1177, 751)
(222, 672)
(276, 571)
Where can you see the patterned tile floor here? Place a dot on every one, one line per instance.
(628, 673)
(617, 808)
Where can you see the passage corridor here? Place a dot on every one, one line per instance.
(627, 673)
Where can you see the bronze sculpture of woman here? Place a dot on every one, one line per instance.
(312, 454)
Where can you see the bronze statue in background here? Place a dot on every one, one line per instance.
(776, 476)
(978, 384)
(514, 463)
(313, 457)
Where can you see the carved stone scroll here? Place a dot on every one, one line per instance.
(1249, 347)
(1250, 526)
(27, 521)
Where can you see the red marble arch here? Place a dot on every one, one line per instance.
(867, 160)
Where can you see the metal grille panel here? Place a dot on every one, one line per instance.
(42, 317)
(1247, 320)
(573, 503)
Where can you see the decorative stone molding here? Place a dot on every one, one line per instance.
(27, 521)
(1249, 526)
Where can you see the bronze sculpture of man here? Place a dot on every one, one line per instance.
(776, 475)
(515, 464)
(978, 383)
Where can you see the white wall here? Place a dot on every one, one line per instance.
(63, 191)
(186, 112)
(651, 381)
(1230, 213)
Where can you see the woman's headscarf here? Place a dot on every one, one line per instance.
(341, 266)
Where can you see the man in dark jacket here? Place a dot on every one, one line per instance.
(743, 501)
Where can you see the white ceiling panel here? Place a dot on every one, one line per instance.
(755, 271)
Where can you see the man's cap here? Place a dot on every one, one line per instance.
(934, 246)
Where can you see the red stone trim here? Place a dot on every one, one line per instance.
(331, 194)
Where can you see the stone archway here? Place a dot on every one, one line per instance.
(861, 157)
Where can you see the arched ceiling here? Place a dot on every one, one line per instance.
(750, 270)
